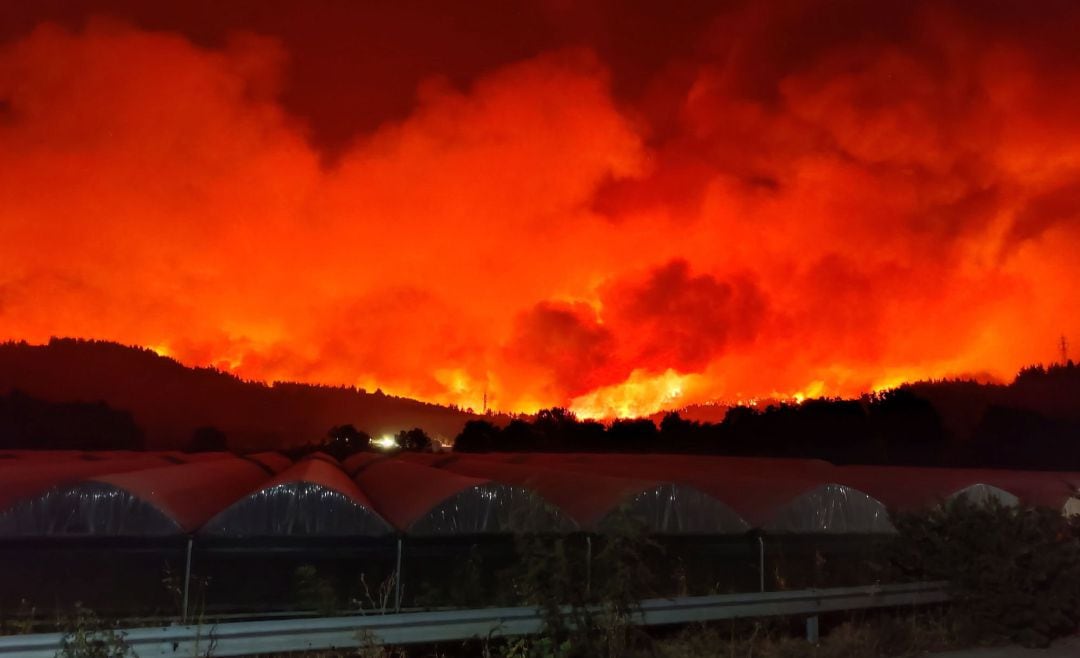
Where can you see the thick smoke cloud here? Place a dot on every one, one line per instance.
(890, 195)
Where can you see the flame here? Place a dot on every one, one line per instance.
(813, 390)
(640, 395)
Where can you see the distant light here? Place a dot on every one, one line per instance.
(385, 442)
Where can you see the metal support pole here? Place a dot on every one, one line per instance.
(812, 629)
(761, 561)
(588, 567)
(397, 578)
(187, 582)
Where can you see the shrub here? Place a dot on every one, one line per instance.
(87, 637)
(314, 591)
(600, 594)
(1013, 571)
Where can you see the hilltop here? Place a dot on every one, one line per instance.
(169, 401)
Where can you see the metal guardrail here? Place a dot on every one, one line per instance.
(258, 637)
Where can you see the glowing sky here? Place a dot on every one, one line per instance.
(608, 207)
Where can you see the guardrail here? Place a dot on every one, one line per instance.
(276, 636)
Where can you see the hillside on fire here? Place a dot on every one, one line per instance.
(67, 395)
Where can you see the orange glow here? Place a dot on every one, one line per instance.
(887, 214)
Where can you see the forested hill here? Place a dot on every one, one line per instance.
(169, 401)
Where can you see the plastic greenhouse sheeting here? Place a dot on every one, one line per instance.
(191, 493)
(833, 509)
(312, 498)
(429, 501)
(1045, 488)
(273, 462)
(166, 500)
(85, 509)
(912, 488)
(669, 466)
(681, 509)
(361, 460)
(736, 482)
(1071, 507)
(982, 494)
(191, 457)
(766, 493)
(664, 507)
(492, 508)
(19, 480)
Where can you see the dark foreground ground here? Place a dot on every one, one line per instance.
(1066, 648)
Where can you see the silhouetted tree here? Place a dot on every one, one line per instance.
(1021, 438)
(477, 436)
(30, 423)
(415, 440)
(344, 440)
(911, 428)
(519, 435)
(678, 434)
(633, 435)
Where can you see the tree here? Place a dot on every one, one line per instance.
(344, 440)
(477, 436)
(415, 440)
(911, 427)
(677, 433)
(633, 435)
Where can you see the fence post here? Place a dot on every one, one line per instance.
(761, 561)
(812, 629)
(588, 566)
(397, 578)
(187, 582)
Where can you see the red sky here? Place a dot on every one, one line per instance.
(616, 207)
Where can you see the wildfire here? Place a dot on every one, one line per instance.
(549, 231)
(640, 395)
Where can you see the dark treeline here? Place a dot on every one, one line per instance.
(1033, 423)
(344, 440)
(27, 422)
(170, 402)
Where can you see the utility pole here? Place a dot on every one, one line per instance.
(1064, 346)
(485, 398)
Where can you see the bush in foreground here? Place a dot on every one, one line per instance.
(1014, 571)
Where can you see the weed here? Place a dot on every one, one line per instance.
(378, 602)
(87, 637)
(313, 591)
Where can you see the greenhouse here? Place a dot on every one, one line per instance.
(414, 529)
(128, 501)
(312, 498)
(664, 507)
(427, 501)
(154, 494)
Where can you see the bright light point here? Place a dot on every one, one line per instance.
(385, 442)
